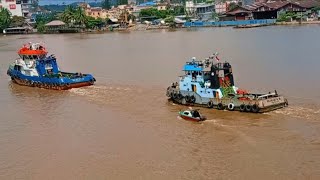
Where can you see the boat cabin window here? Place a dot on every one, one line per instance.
(186, 113)
(16, 67)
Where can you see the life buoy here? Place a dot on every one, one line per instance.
(230, 106)
(242, 107)
(220, 106)
(210, 104)
(255, 108)
(248, 107)
(192, 99)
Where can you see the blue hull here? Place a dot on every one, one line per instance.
(58, 83)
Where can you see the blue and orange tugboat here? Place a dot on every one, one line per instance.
(34, 68)
(208, 83)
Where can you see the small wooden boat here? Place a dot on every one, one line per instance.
(192, 115)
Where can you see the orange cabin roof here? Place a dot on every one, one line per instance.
(25, 50)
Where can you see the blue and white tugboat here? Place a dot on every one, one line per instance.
(34, 68)
(210, 84)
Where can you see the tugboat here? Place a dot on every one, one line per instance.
(210, 84)
(192, 115)
(34, 68)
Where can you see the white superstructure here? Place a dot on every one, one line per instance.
(17, 7)
(13, 6)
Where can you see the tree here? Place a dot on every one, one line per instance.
(41, 26)
(215, 16)
(106, 4)
(68, 15)
(287, 16)
(170, 20)
(155, 12)
(17, 21)
(80, 17)
(92, 22)
(232, 6)
(5, 19)
(179, 10)
(122, 2)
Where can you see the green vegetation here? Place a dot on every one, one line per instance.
(74, 16)
(106, 4)
(316, 9)
(41, 20)
(289, 16)
(41, 26)
(232, 6)
(93, 23)
(161, 14)
(170, 21)
(17, 21)
(5, 18)
(215, 16)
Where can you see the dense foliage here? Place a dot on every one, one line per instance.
(74, 16)
(5, 18)
(43, 19)
(288, 16)
(17, 21)
(161, 14)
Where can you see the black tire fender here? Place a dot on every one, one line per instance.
(255, 108)
(210, 104)
(192, 99)
(242, 107)
(187, 98)
(220, 106)
(248, 108)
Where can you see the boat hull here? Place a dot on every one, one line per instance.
(50, 83)
(188, 118)
(250, 106)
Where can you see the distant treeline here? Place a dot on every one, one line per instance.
(60, 8)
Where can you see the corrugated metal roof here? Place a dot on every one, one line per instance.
(55, 23)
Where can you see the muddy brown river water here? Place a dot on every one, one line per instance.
(124, 128)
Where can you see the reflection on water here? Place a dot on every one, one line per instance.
(124, 127)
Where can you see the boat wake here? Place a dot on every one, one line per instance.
(309, 113)
(233, 130)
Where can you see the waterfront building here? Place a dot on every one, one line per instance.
(201, 11)
(270, 9)
(222, 7)
(18, 7)
(13, 6)
(26, 7)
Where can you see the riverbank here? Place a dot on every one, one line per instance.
(144, 27)
(297, 23)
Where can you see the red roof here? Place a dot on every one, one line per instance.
(238, 10)
(274, 5)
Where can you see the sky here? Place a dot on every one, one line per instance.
(46, 2)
